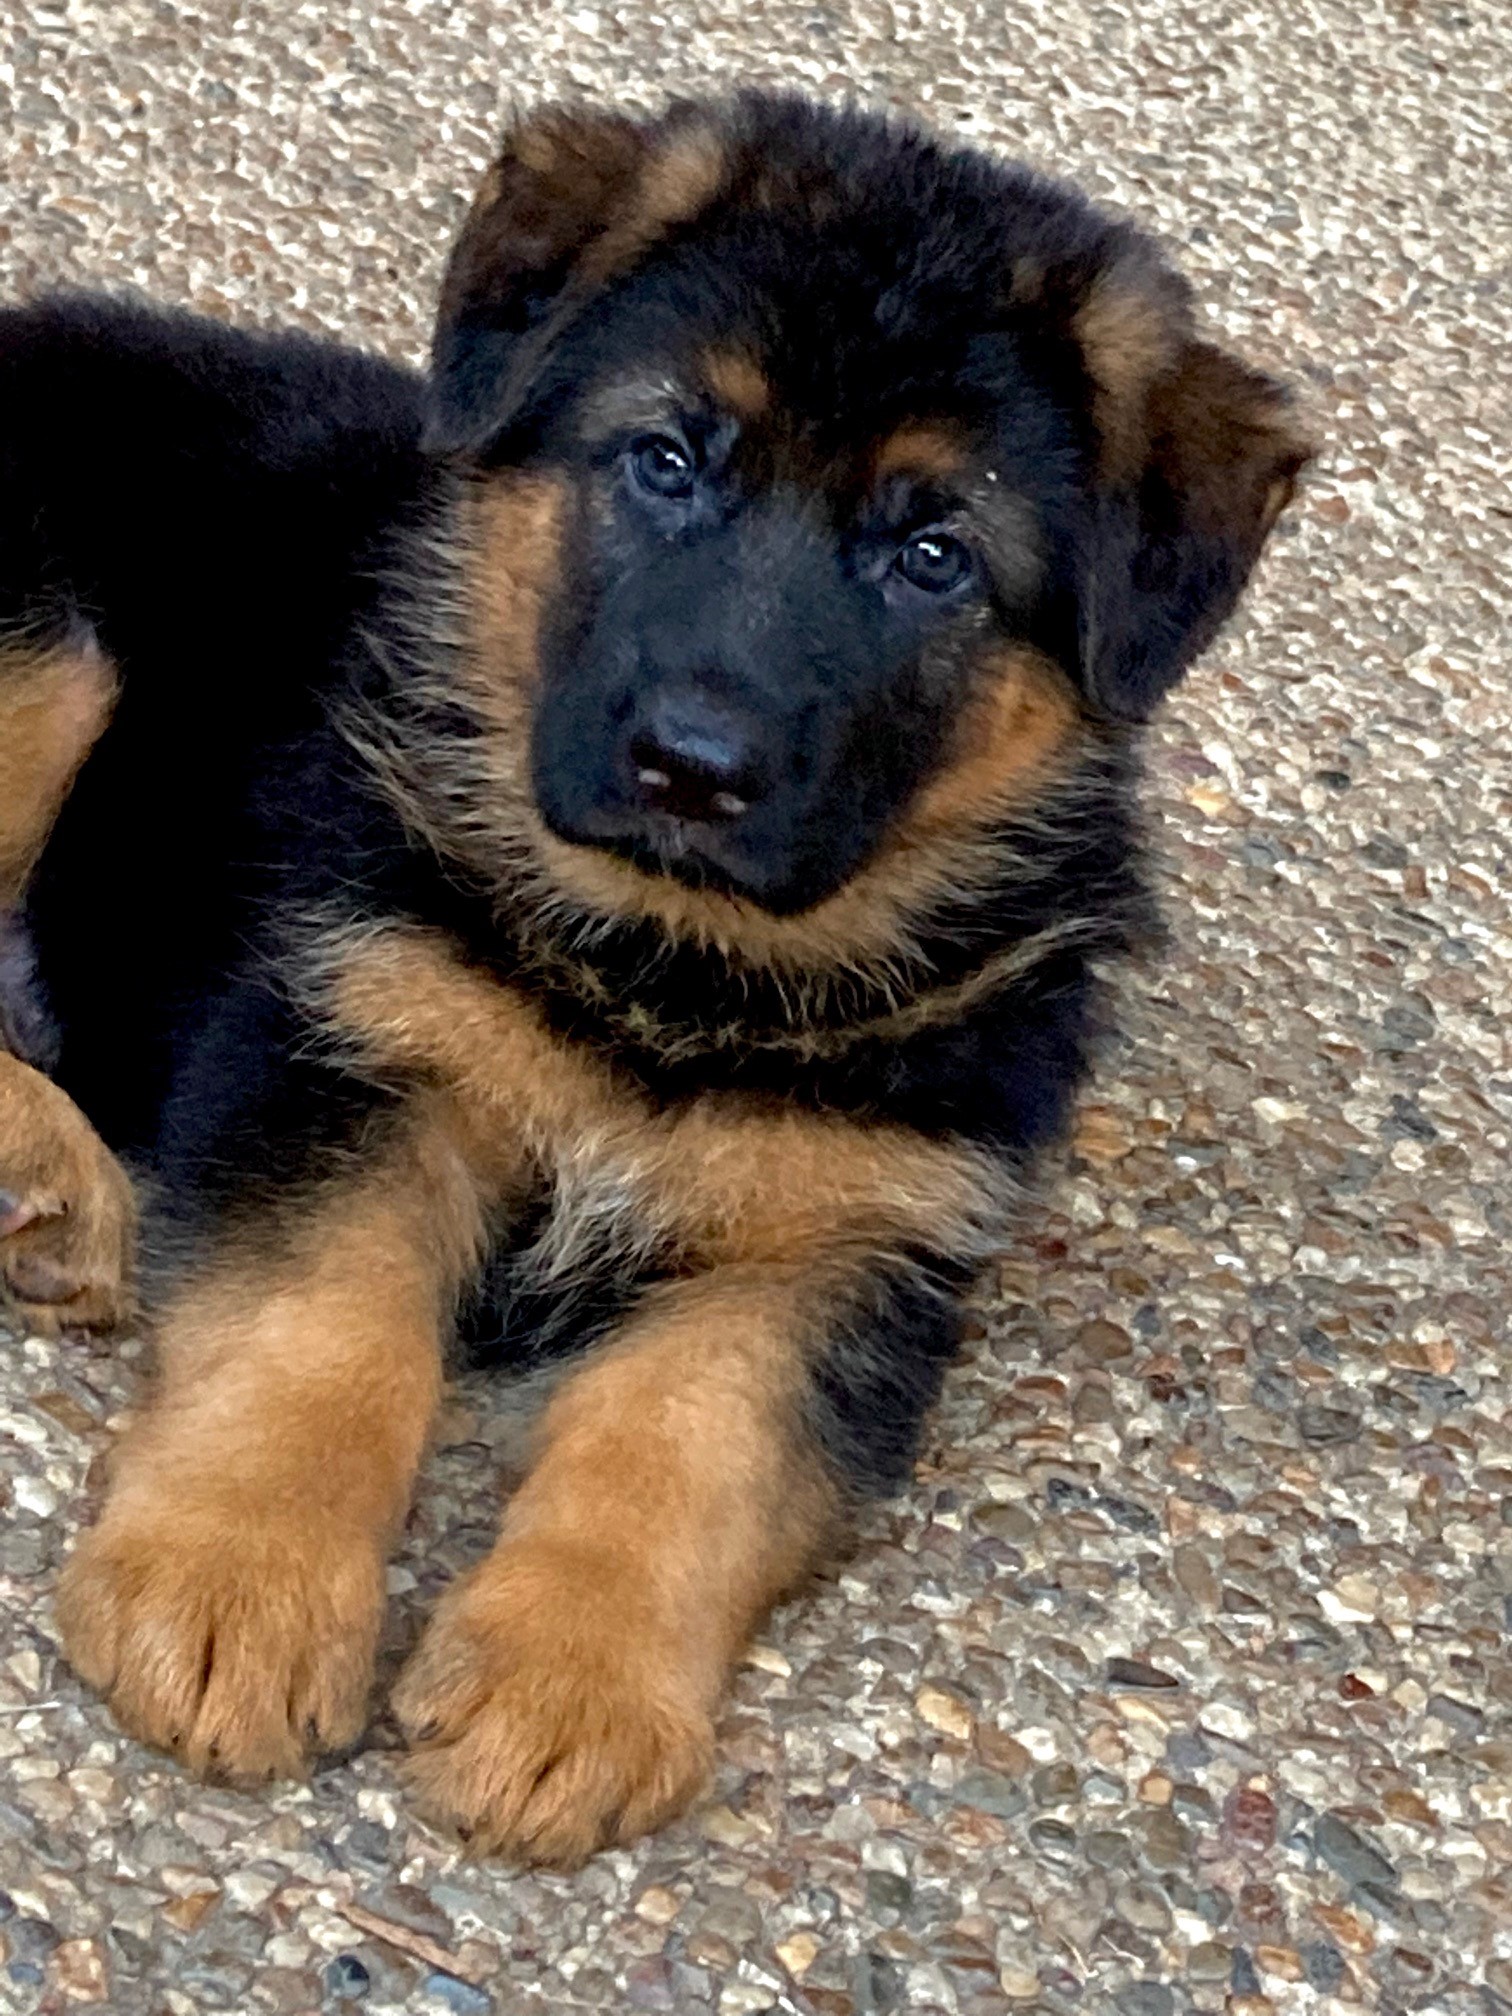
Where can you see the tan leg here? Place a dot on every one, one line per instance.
(54, 704)
(67, 1217)
(229, 1600)
(564, 1695)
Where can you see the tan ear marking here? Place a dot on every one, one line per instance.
(1130, 336)
(674, 185)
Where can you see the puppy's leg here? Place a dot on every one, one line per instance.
(54, 705)
(229, 1600)
(67, 1217)
(564, 1695)
(66, 1214)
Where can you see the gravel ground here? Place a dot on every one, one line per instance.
(1179, 1681)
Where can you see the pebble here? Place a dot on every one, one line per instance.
(992, 1791)
(1249, 1820)
(1463, 1716)
(187, 1913)
(1145, 1998)
(1106, 1848)
(1323, 1965)
(798, 1952)
(1019, 1984)
(31, 1938)
(1138, 1673)
(1210, 1962)
(1347, 1851)
(886, 1892)
(1001, 1752)
(1054, 1784)
(1141, 1905)
(1244, 1976)
(460, 1996)
(1053, 1839)
(79, 1968)
(346, 1978)
(657, 1905)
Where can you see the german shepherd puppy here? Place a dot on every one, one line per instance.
(599, 852)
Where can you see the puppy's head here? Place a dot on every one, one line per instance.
(828, 484)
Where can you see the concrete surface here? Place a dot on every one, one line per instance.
(1180, 1680)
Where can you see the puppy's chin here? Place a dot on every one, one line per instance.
(679, 857)
(706, 859)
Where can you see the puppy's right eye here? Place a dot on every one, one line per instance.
(662, 465)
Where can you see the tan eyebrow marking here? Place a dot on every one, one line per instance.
(922, 449)
(738, 381)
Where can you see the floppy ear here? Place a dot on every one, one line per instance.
(1193, 478)
(573, 197)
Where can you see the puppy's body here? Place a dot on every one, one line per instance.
(606, 849)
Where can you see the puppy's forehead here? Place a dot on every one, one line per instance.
(857, 325)
(899, 441)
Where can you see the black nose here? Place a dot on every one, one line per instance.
(694, 758)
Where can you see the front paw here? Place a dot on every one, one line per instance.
(549, 1715)
(239, 1637)
(67, 1215)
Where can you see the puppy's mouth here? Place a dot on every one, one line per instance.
(678, 848)
(706, 857)
(769, 868)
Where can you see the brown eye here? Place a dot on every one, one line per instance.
(935, 562)
(662, 465)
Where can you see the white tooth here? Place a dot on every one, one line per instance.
(728, 803)
(654, 780)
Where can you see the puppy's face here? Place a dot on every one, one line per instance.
(778, 591)
(873, 470)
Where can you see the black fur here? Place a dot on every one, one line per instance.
(248, 524)
(882, 1364)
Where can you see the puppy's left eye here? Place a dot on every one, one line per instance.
(935, 562)
(662, 465)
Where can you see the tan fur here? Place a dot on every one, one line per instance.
(515, 537)
(924, 450)
(228, 1602)
(678, 181)
(67, 1215)
(563, 1697)
(1010, 739)
(933, 854)
(738, 382)
(1129, 337)
(1229, 439)
(1014, 743)
(54, 706)
(722, 1178)
(589, 188)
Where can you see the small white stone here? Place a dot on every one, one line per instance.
(32, 1495)
(1353, 1599)
(249, 1889)
(27, 1667)
(744, 1998)
(1227, 1718)
(767, 1659)
(881, 1853)
(945, 1712)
